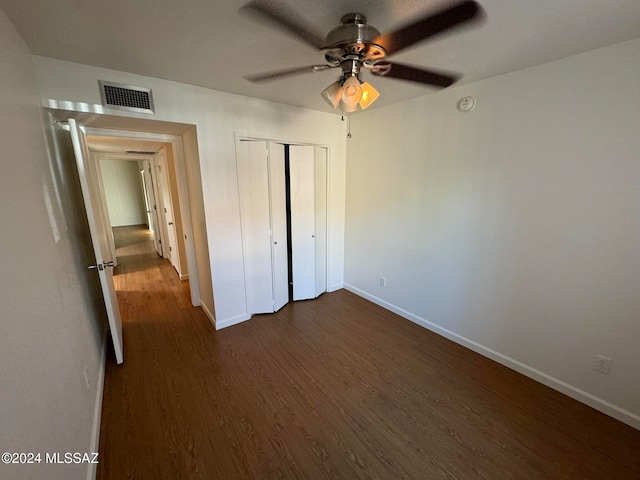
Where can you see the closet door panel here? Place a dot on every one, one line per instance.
(253, 187)
(321, 219)
(280, 260)
(303, 245)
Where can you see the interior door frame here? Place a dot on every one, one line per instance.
(183, 192)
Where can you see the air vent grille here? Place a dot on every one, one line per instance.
(126, 97)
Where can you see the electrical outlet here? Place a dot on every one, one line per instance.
(602, 364)
(86, 377)
(383, 281)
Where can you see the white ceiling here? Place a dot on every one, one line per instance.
(208, 43)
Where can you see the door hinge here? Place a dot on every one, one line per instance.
(101, 266)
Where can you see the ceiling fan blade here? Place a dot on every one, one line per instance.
(284, 17)
(413, 74)
(429, 26)
(278, 74)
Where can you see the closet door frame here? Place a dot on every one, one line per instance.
(322, 218)
(322, 279)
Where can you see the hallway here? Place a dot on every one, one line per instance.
(334, 388)
(142, 405)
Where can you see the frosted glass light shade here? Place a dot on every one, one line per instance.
(332, 94)
(351, 93)
(369, 95)
(346, 108)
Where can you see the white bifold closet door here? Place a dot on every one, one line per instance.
(263, 200)
(261, 185)
(308, 192)
(303, 220)
(278, 205)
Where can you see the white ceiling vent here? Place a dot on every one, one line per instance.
(126, 97)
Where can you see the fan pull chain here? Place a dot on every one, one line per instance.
(348, 126)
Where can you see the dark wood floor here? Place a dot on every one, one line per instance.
(331, 388)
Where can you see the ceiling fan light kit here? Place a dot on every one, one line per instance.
(354, 46)
(350, 94)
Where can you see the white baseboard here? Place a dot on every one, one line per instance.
(335, 287)
(232, 321)
(184, 276)
(97, 411)
(208, 313)
(599, 404)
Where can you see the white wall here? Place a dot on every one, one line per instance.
(123, 190)
(50, 326)
(196, 196)
(218, 117)
(514, 228)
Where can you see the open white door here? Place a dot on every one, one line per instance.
(99, 237)
(152, 207)
(167, 206)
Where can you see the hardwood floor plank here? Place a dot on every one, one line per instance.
(334, 388)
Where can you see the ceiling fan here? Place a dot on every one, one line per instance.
(354, 46)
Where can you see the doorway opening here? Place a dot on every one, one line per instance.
(141, 188)
(176, 156)
(178, 198)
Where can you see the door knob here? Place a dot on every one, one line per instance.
(108, 264)
(170, 223)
